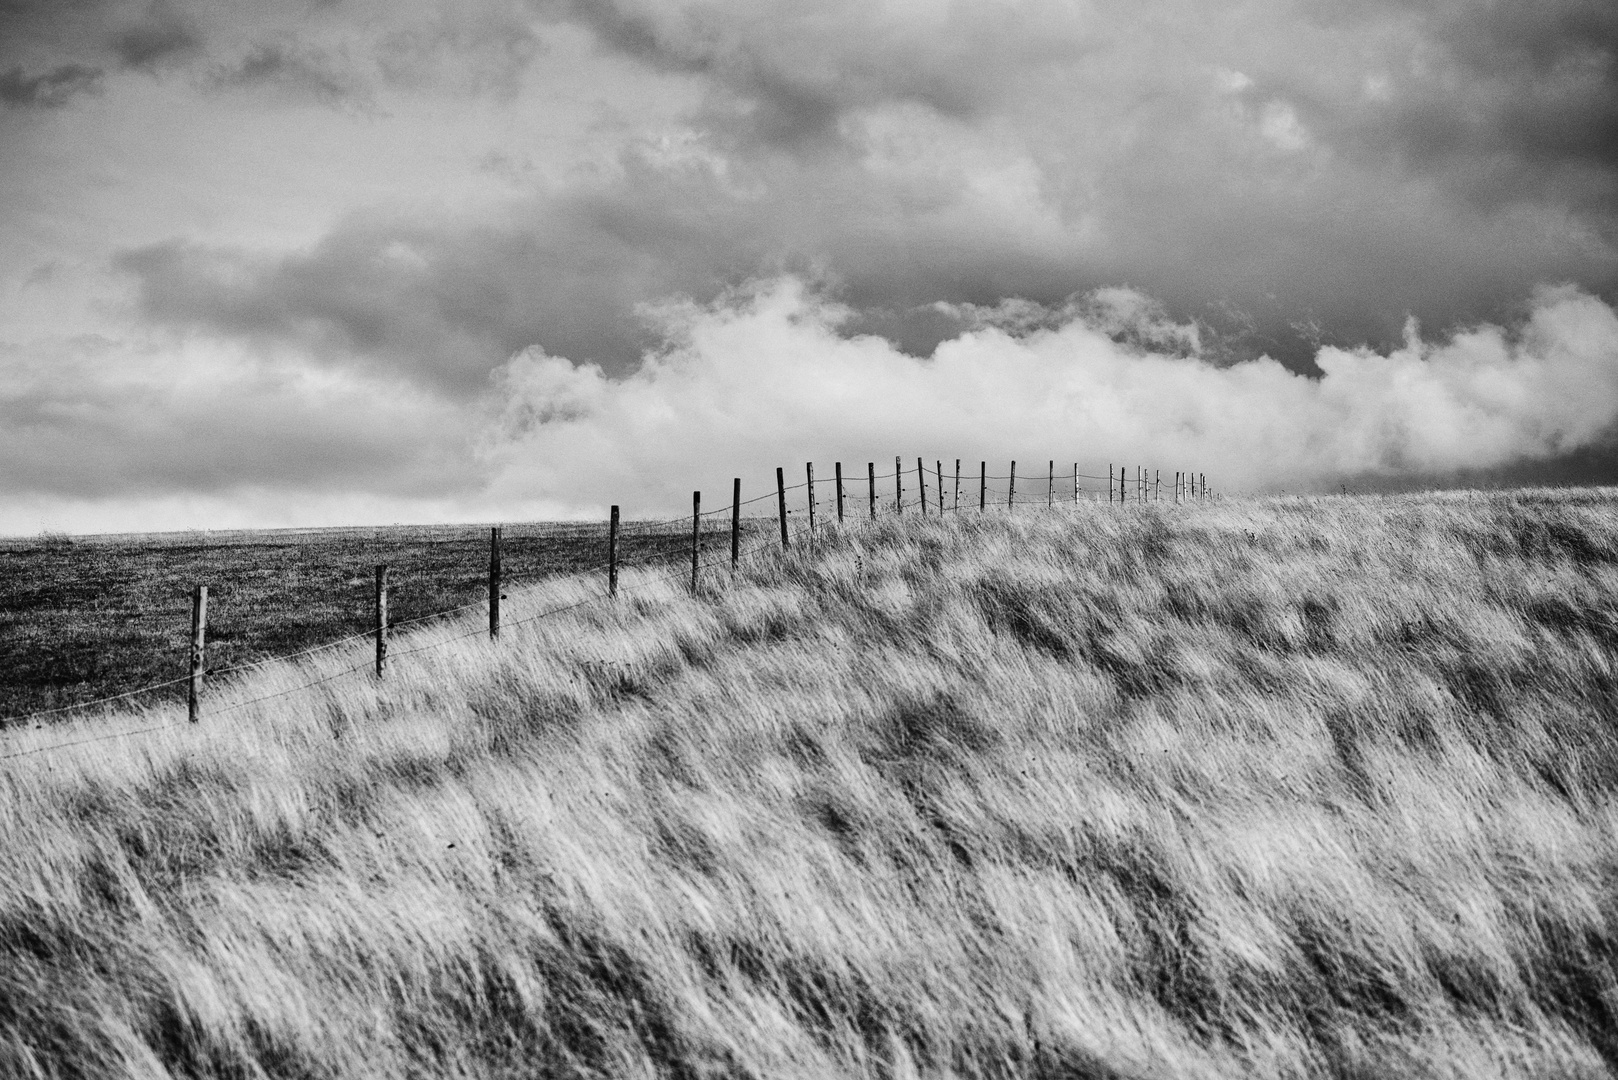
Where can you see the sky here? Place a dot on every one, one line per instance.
(307, 262)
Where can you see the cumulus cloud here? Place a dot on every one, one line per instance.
(49, 89)
(764, 378)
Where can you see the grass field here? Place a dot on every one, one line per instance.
(83, 618)
(1248, 789)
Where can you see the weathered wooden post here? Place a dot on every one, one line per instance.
(199, 634)
(735, 523)
(1109, 481)
(898, 485)
(939, 465)
(381, 611)
(957, 484)
(983, 486)
(494, 583)
(870, 476)
(921, 485)
(696, 535)
(839, 468)
(612, 554)
(1157, 485)
(809, 469)
(1202, 485)
(1075, 483)
(1050, 491)
(781, 498)
(1011, 490)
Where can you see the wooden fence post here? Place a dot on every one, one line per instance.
(612, 554)
(1075, 483)
(921, 485)
(1202, 485)
(809, 470)
(870, 475)
(1011, 490)
(1109, 481)
(696, 535)
(199, 633)
(381, 611)
(898, 485)
(494, 583)
(957, 484)
(983, 486)
(735, 523)
(1050, 491)
(839, 467)
(1157, 485)
(939, 465)
(781, 498)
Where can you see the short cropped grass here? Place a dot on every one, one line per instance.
(1253, 789)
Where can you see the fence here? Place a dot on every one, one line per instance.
(922, 490)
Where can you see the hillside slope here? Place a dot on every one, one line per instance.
(1279, 788)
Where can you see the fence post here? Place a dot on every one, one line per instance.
(494, 583)
(957, 484)
(898, 485)
(939, 465)
(381, 621)
(781, 498)
(921, 483)
(870, 475)
(612, 554)
(1109, 481)
(1050, 491)
(199, 633)
(1011, 490)
(839, 468)
(696, 535)
(1075, 483)
(809, 469)
(983, 486)
(1202, 485)
(735, 523)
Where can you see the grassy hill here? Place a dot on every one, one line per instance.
(1272, 788)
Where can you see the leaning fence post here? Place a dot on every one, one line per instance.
(809, 468)
(735, 523)
(870, 475)
(612, 554)
(1011, 490)
(898, 485)
(921, 482)
(696, 535)
(781, 498)
(494, 583)
(199, 632)
(839, 468)
(381, 610)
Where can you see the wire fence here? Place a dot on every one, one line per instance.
(925, 490)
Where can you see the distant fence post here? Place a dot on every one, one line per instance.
(381, 610)
(809, 469)
(1075, 483)
(199, 633)
(839, 469)
(781, 499)
(1050, 491)
(898, 485)
(612, 554)
(1109, 481)
(870, 475)
(939, 465)
(983, 486)
(1157, 485)
(1202, 485)
(957, 484)
(494, 583)
(696, 535)
(1011, 490)
(921, 485)
(735, 523)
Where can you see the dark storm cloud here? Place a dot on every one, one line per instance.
(50, 89)
(159, 36)
(299, 69)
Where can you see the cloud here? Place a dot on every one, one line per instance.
(293, 67)
(764, 378)
(161, 36)
(50, 89)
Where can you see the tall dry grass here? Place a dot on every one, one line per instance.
(1276, 788)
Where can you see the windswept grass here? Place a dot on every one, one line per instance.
(1283, 788)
